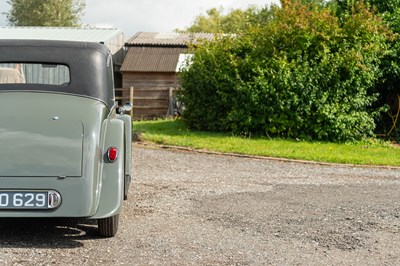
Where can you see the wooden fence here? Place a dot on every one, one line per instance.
(148, 103)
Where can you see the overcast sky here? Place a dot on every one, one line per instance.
(132, 16)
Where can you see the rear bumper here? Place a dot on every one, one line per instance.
(78, 196)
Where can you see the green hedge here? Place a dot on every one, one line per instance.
(305, 74)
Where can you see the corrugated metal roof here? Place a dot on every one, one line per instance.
(60, 33)
(152, 59)
(167, 39)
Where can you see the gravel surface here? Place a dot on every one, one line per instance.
(199, 209)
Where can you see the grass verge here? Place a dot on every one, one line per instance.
(174, 132)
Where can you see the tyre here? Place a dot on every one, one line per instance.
(108, 227)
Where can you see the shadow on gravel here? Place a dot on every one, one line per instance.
(46, 233)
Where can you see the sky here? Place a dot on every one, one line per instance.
(132, 16)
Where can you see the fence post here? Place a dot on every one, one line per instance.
(131, 99)
(171, 102)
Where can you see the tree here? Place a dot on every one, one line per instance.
(214, 21)
(310, 3)
(56, 13)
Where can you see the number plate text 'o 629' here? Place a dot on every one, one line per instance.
(48, 199)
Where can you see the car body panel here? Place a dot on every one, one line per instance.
(79, 193)
(128, 144)
(40, 145)
(112, 181)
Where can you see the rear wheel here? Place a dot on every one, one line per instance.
(108, 227)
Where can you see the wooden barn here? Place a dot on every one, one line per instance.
(150, 69)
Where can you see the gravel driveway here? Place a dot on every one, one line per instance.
(199, 209)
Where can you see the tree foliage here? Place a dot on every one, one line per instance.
(57, 13)
(304, 74)
(388, 85)
(236, 20)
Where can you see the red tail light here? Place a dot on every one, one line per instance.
(112, 154)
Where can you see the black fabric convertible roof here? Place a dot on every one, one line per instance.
(90, 66)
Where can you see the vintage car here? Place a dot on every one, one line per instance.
(65, 146)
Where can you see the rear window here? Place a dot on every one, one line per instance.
(34, 73)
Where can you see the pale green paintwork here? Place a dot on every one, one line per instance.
(96, 192)
(112, 175)
(128, 141)
(51, 146)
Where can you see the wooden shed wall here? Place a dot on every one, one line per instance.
(151, 94)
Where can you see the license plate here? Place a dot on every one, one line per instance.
(48, 199)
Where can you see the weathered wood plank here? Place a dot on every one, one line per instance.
(151, 97)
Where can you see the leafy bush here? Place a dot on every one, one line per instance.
(304, 74)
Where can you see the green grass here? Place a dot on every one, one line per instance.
(174, 132)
